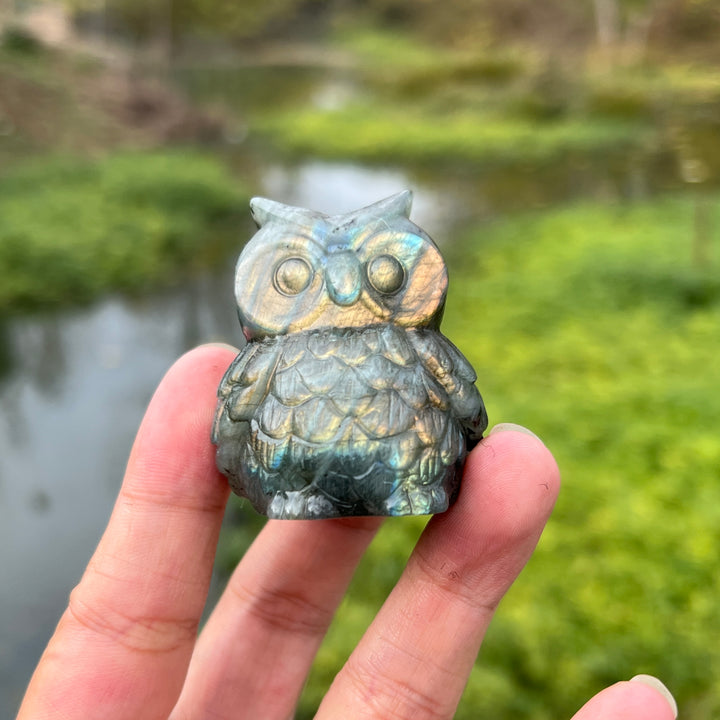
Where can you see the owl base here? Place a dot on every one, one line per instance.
(309, 504)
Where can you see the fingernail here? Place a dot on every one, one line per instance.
(512, 427)
(653, 682)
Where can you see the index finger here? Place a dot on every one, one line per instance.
(415, 658)
(122, 647)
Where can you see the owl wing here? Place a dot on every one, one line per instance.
(245, 383)
(448, 366)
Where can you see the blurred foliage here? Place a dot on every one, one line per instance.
(558, 26)
(619, 26)
(17, 39)
(619, 102)
(590, 325)
(72, 229)
(425, 104)
(628, 26)
(383, 134)
(150, 19)
(602, 337)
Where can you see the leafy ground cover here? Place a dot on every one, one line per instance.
(407, 102)
(590, 325)
(72, 229)
(382, 134)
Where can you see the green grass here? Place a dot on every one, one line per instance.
(72, 229)
(421, 104)
(384, 49)
(589, 325)
(391, 134)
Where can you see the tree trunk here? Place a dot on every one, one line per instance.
(607, 22)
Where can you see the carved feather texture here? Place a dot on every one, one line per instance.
(371, 408)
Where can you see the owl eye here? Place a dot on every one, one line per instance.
(386, 274)
(292, 276)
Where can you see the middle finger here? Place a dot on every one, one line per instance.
(254, 654)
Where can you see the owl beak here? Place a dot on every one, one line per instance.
(343, 278)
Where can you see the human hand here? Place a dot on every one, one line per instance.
(127, 647)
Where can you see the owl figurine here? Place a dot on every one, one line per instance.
(346, 399)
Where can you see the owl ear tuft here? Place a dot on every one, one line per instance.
(396, 205)
(264, 210)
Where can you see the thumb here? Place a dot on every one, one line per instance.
(642, 698)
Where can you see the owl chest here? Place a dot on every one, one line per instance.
(355, 399)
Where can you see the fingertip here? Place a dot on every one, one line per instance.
(509, 488)
(656, 684)
(512, 459)
(462, 566)
(192, 379)
(219, 345)
(642, 698)
(137, 607)
(524, 444)
(512, 427)
(173, 442)
(212, 358)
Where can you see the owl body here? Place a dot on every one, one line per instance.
(346, 400)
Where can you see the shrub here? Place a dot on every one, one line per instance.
(19, 40)
(619, 102)
(70, 230)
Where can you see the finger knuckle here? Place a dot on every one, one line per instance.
(281, 609)
(394, 698)
(130, 627)
(456, 579)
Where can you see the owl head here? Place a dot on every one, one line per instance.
(304, 270)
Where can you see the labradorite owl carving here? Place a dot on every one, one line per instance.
(346, 399)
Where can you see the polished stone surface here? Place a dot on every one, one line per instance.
(347, 399)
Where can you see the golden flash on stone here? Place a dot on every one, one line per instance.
(346, 399)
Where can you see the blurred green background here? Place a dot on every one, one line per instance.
(565, 156)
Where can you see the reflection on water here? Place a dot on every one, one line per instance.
(74, 390)
(68, 412)
(49, 449)
(340, 188)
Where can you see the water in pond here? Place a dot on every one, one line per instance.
(68, 411)
(73, 395)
